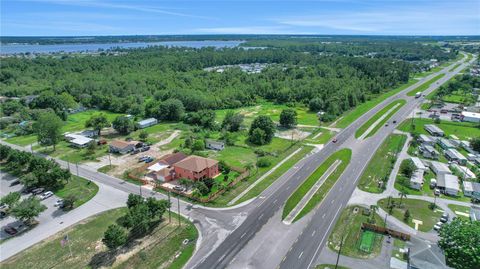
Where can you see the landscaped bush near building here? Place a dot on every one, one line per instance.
(263, 162)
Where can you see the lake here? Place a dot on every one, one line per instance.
(68, 48)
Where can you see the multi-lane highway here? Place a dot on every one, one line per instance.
(304, 251)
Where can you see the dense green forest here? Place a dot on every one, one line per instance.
(139, 78)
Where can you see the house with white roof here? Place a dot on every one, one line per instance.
(445, 144)
(471, 189)
(465, 172)
(448, 183)
(439, 168)
(146, 123)
(425, 139)
(418, 164)
(470, 116)
(429, 152)
(433, 130)
(78, 141)
(416, 181)
(454, 156)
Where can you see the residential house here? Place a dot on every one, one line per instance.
(215, 145)
(78, 140)
(470, 116)
(445, 144)
(466, 146)
(163, 170)
(454, 156)
(122, 147)
(89, 133)
(429, 152)
(425, 139)
(439, 168)
(471, 189)
(418, 164)
(434, 130)
(464, 172)
(424, 255)
(196, 168)
(146, 123)
(416, 181)
(448, 183)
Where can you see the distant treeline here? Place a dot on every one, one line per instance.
(125, 83)
(44, 40)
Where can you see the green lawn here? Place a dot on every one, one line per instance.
(81, 188)
(374, 118)
(105, 169)
(324, 136)
(459, 208)
(381, 164)
(349, 226)
(88, 251)
(419, 210)
(304, 116)
(402, 183)
(282, 169)
(22, 140)
(425, 85)
(460, 97)
(463, 130)
(344, 155)
(397, 245)
(76, 122)
(359, 110)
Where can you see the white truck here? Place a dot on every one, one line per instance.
(418, 95)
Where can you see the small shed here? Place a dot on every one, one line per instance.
(146, 123)
(215, 145)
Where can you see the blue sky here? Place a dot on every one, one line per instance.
(138, 17)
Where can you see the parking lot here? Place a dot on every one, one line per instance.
(47, 215)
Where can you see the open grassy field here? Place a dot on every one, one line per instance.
(349, 226)
(282, 169)
(89, 252)
(65, 152)
(76, 122)
(425, 85)
(81, 188)
(376, 174)
(463, 130)
(419, 210)
(304, 116)
(397, 104)
(352, 115)
(22, 140)
(344, 155)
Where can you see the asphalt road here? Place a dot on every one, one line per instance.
(304, 251)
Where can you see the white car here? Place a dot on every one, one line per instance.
(45, 195)
(59, 202)
(437, 226)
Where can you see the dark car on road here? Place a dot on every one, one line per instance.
(37, 191)
(14, 183)
(10, 230)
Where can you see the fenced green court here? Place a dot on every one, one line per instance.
(367, 240)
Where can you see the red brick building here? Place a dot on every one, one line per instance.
(196, 168)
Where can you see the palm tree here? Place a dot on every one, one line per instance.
(402, 194)
(373, 211)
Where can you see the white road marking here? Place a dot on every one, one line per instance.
(332, 201)
(313, 233)
(299, 256)
(323, 216)
(243, 235)
(260, 217)
(275, 201)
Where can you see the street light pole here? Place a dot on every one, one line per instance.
(339, 251)
(169, 209)
(178, 205)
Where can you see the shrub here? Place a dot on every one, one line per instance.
(263, 162)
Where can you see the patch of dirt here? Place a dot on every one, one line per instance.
(292, 134)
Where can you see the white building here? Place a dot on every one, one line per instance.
(433, 130)
(470, 116)
(465, 173)
(425, 139)
(439, 168)
(455, 156)
(78, 141)
(215, 145)
(418, 164)
(416, 181)
(146, 123)
(448, 183)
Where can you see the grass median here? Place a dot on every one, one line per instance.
(375, 176)
(425, 85)
(344, 155)
(81, 188)
(397, 104)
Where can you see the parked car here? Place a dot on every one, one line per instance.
(143, 149)
(46, 195)
(386, 124)
(37, 191)
(443, 111)
(334, 140)
(437, 226)
(436, 192)
(3, 214)
(14, 183)
(143, 158)
(178, 188)
(3, 206)
(59, 203)
(149, 160)
(444, 217)
(10, 230)
(27, 190)
(394, 121)
(102, 142)
(135, 151)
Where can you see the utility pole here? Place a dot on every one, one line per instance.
(77, 169)
(169, 209)
(339, 251)
(109, 159)
(178, 205)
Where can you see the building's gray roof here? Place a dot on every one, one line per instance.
(440, 167)
(426, 138)
(418, 163)
(215, 142)
(448, 181)
(430, 149)
(467, 186)
(447, 143)
(425, 255)
(454, 154)
(433, 128)
(417, 177)
(147, 121)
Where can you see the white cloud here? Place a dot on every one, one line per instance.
(256, 30)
